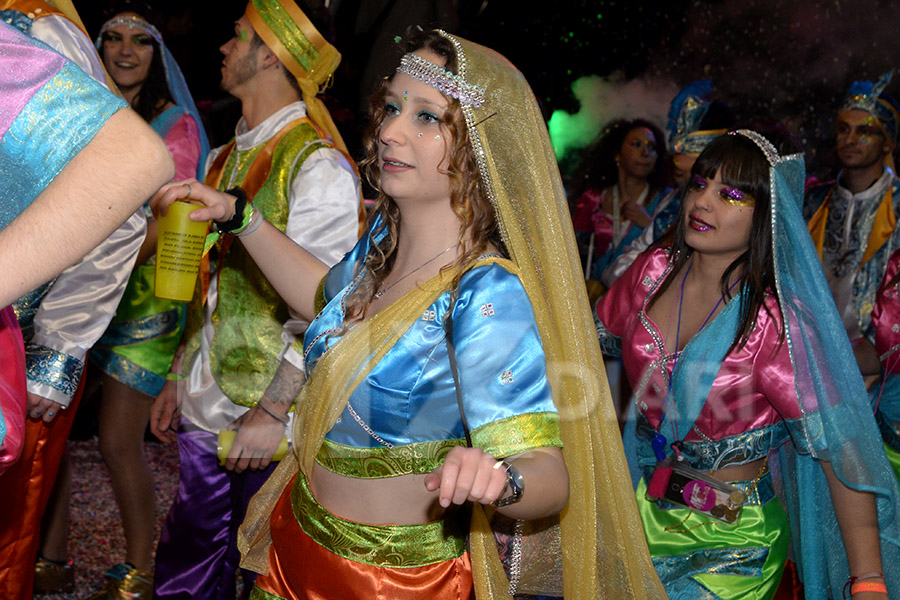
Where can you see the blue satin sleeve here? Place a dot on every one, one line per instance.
(410, 397)
(502, 367)
(341, 274)
(63, 116)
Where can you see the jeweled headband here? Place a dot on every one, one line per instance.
(865, 95)
(441, 79)
(131, 22)
(765, 145)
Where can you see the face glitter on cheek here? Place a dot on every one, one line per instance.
(421, 134)
(405, 95)
(437, 137)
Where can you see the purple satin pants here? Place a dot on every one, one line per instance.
(197, 556)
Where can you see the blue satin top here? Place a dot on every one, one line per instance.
(409, 398)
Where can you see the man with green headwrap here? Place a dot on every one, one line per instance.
(241, 368)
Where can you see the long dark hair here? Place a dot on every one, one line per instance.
(598, 168)
(154, 93)
(742, 165)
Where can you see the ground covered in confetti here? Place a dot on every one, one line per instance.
(95, 539)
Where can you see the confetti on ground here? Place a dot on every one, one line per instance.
(96, 541)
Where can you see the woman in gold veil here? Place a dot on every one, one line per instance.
(453, 370)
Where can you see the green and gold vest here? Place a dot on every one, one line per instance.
(249, 313)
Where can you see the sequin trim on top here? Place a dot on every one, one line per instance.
(56, 369)
(441, 79)
(377, 545)
(131, 22)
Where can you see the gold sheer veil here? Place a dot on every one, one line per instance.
(605, 554)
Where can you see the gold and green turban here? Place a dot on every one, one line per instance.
(302, 50)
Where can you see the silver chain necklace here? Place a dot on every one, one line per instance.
(382, 292)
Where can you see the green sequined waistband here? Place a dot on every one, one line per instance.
(377, 545)
(377, 463)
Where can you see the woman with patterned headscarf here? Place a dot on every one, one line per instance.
(451, 366)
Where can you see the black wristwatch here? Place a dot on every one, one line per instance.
(237, 219)
(516, 484)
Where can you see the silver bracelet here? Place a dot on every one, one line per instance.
(284, 419)
(256, 220)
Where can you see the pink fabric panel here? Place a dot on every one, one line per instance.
(886, 316)
(183, 142)
(24, 69)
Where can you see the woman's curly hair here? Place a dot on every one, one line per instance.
(478, 223)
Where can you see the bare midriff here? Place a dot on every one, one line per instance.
(401, 500)
(745, 472)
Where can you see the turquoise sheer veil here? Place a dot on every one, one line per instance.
(178, 87)
(837, 424)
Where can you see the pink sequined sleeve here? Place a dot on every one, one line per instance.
(183, 142)
(886, 317)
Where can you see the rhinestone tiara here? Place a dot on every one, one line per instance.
(441, 79)
(765, 145)
(130, 21)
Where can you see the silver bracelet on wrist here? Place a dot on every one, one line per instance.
(256, 219)
(284, 419)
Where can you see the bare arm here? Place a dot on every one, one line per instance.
(84, 203)
(468, 474)
(858, 519)
(293, 272)
(866, 357)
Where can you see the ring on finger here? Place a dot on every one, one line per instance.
(189, 189)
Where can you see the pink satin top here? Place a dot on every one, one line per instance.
(183, 142)
(755, 384)
(886, 317)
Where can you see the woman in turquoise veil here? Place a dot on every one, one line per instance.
(742, 371)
